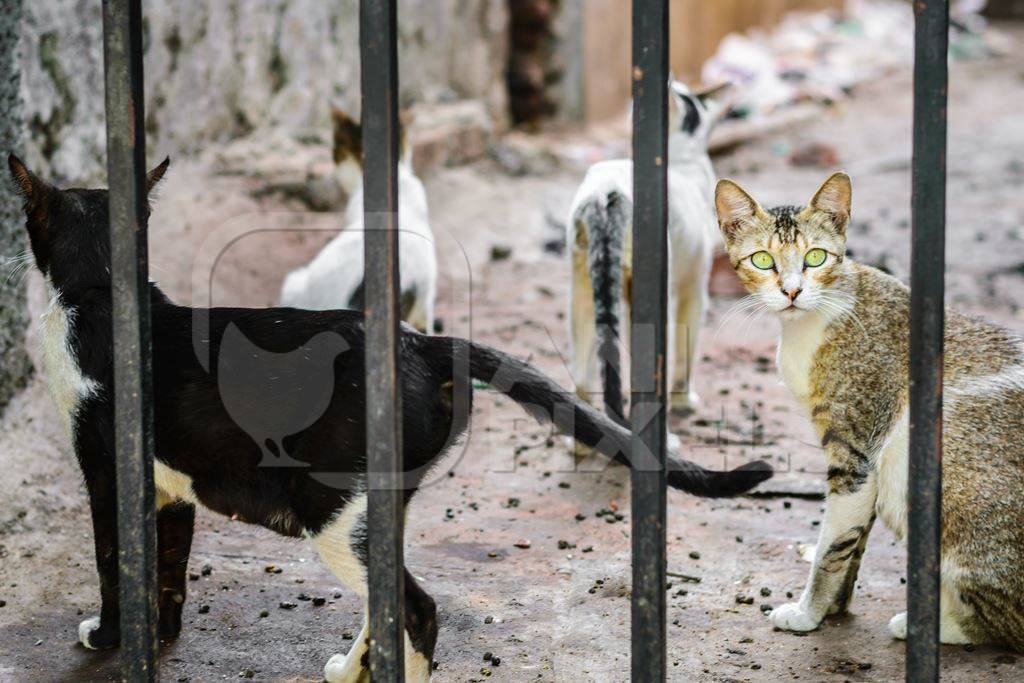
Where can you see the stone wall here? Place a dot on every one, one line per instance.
(217, 70)
(14, 364)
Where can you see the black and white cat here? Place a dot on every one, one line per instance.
(222, 415)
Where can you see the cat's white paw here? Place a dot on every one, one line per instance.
(346, 668)
(898, 626)
(792, 617)
(85, 629)
(673, 443)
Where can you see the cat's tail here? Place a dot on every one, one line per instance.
(607, 217)
(547, 402)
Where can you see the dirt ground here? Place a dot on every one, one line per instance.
(549, 613)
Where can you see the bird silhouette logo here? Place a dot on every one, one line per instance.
(274, 395)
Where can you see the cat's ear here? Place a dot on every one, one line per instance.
(735, 208)
(712, 91)
(348, 136)
(717, 100)
(28, 184)
(154, 176)
(834, 197)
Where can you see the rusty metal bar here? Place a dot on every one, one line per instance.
(649, 306)
(927, 272)
(133, 380)
(378, 52)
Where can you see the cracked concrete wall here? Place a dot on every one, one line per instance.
(15, 367)
(220, 70)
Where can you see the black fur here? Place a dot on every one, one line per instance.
(691, 119)
(196, 434)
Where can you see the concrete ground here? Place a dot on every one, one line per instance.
(559, 609)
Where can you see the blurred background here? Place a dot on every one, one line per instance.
(507, 102)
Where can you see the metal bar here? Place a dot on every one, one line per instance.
(649, 306)
(926, 338)
(133, 380)
(379, 73)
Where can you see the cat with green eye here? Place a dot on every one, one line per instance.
(843, 352)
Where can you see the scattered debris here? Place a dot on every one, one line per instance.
(500, 252)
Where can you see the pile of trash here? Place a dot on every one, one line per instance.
(822, 56)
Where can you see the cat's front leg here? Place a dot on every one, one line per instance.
(849, 512)
(175, 522)
(104, 631)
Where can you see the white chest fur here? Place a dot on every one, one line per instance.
(797, 347)
(68, 386)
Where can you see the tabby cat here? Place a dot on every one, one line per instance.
(844, 355)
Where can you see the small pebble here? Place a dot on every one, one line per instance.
(287, 605)
(206, 570)
(523, 543)
(264, 614)
(587, 549)
(766, 592)
(694, 555)
(488, 619)
(204, 609)
(272, 569)
(744, 599)
(319, 602)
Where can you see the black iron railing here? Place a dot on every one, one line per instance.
(126, 170)
(133, 379)
(648, 338)
(927, 271)
(378, 54)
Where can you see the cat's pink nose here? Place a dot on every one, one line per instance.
(792, 293)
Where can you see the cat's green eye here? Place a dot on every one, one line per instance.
(815, 257)
(762, 260)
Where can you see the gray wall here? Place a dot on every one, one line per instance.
(220, 69)
(14, 364)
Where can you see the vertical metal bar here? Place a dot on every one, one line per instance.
(649, 305)
(379, 71)
(133, 381)
(926, 338)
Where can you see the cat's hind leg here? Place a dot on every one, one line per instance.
(582, 351)
(950, 630)
(420, 630)
(342, 546)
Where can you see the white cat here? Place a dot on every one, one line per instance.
(334, 278)
(600, 239)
